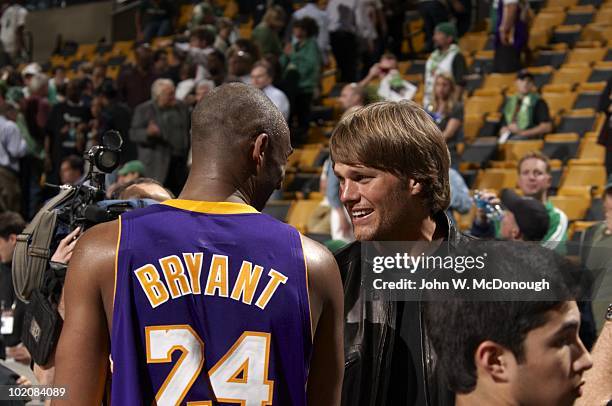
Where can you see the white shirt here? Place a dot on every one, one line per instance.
(311, 10)
(366, 18)
(279, 99)
(12, 144)
(184, 88)
(341, 15)
(12, 18)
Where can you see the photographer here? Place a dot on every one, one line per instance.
(11, 224)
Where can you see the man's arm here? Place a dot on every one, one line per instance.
(598, 387)
(81, 360)
(327, 312)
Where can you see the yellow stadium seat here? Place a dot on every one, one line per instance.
(328, 81)
(300, 213)
(557, 88)
(538, 37)
(473, 41)
(558, 102)
(587, 54)
(503, 164)
(489, 91)
(308, 155)
(481, 104)
(471, 125)
(515, 150)
(591, 87)
(604, 15)
(578, 175)
(545, 20)
(571, 75)
(113, 71)
(499, 80)
(562, 137)
(231, 9)
(575, 207)
(496, 178)
(589, 149)
(85, 51)
(185, 14)
(122, 47)
(565, 3)
(583, 191)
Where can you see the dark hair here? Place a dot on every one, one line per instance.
(157, 55)
(267, 66)
(11, 223)
(75, 162)
(234, 111)
(309, 25)
(458, 326)
(205, 34)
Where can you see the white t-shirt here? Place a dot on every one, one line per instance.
(366, 18)
(279, 99)
(341, 15)
(12, 18)
(314, 12)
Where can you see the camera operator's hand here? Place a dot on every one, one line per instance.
(63, 253)
(23, 381)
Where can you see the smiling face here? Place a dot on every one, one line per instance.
(378, 202)
(555, 359)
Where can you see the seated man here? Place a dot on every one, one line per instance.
(525, 115)
(512, 352)
(129, 171)
(534, 179)
(391, 85)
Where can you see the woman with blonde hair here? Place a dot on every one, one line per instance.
(447, 112)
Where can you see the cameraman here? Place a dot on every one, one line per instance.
(11, 225)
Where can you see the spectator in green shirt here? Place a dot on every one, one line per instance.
(534, 180)
(266, 34)
(303, 55)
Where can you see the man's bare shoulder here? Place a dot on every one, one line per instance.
(96, 249)
(320, 261)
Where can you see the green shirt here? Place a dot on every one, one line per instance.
(267, 40)
(306, 58)
(557, 229)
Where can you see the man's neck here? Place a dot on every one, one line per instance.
(481, 397)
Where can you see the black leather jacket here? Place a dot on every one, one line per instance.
(370, 341)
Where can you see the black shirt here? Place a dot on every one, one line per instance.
(7, 296)
(540, 114)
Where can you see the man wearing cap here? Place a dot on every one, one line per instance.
(130, 171)
(525, 114)
(447, 58)
(525, 218)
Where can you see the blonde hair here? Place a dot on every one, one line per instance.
(400, 138)
(448, 104)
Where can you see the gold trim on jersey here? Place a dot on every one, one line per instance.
(211, 207)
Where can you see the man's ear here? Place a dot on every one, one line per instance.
(414, 187)
(494, 362)
(259, 148)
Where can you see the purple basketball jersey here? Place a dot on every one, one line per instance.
(211, 306)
